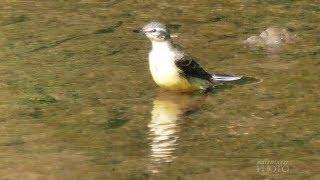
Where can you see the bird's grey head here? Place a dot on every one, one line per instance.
(156, 31)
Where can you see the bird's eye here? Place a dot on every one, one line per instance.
(153, 30)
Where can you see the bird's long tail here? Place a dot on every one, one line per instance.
(223, 77)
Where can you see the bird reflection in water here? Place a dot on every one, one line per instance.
(169, 111)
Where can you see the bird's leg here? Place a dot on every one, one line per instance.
(208, 90)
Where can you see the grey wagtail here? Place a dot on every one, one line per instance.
(172, 69)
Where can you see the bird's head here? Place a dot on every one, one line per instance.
(156, 31)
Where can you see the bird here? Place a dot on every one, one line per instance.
(174, 70)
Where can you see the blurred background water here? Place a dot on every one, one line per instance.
(78, 102)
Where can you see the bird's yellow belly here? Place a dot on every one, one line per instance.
(175, 83)
(171, 79)
(167, 75)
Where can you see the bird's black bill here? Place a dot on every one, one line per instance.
(136, 30)
(140, 31)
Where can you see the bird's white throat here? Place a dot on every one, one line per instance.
(161, 46)
(161, 55)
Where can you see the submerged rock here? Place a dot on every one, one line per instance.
(254, 41)
(271, 37)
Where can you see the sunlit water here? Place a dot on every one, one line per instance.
(78, 102)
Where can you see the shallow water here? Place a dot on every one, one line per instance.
(77, 100)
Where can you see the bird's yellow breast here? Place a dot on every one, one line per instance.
(173, 82)
(166, 74)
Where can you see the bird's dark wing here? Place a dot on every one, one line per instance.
(190, 68)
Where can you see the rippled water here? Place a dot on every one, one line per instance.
(78, 102)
